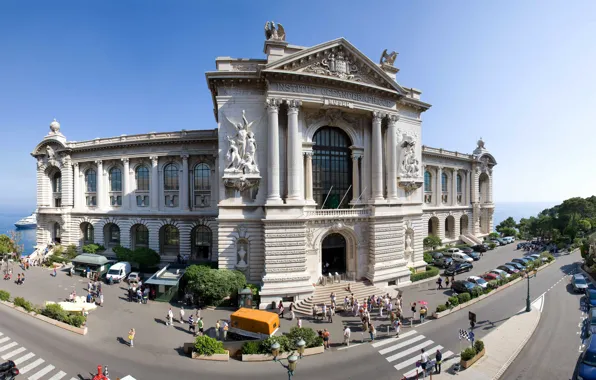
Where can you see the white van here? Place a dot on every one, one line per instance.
(118, 272)
(461, 257)
(451, 251)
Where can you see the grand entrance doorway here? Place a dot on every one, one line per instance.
(333, 254)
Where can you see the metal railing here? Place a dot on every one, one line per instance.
(333, 278)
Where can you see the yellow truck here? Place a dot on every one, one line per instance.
(253, 323)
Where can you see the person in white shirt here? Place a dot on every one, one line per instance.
(423, 362)
(347, 333)
(181, 315)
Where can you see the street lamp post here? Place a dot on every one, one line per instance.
(528, 302)
(292, 358)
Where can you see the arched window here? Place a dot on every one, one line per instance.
(140, 236)
(170, 240)
(444, 182)
(201, 243)
(142, 192)
(428, 181)
(112, 235)
(142, 178)
(57, 189)
(57, 233)
(459, 183)
(91, 187)
(171, 185)
(88, 233)
(201, 186)
(332, 168)
(115, 179)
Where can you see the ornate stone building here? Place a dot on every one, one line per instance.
(316, 166)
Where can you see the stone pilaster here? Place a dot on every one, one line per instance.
(308, 176)
(125, 183)
(392, 158)
(439, 187)
(386, 252)
(154, 188)
(377, 156)
(67, 185)
(294, 144)
(76, 186)
(184, 184)
(273, 193)
(454, 187)
(355, 177)
(100, 186)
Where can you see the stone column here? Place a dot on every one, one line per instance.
(355, 177)
(392, 158)
(154, 187)
(454, 187)
(490, 186)
(126, 184)
(184, 183)
(76, 186)
(67, 175)
(273, 151)
(439, 190)
(468, 196)
(308, 176)
(294, 145)
(100, 184)
(377, 156)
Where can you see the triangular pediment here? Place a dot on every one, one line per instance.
(338, 59)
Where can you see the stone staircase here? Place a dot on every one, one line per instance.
(470, 239)
(322, 293)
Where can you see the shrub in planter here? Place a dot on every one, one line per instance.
(464, 297)
(251, 347)
(454, 301)
(468, 353)
(284, 344)
(487, 290)
(430, 272)
(75, 320)
(479, 345)
(441, 308)
(205, 345)
(4, 295)
(56, 312)
(427, 258)
(20, 301)
(71, 252)
(493, 284)
(492, 246)
(310, 337)
(476, 292)
(93, 248)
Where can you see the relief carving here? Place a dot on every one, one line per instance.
(242, 171)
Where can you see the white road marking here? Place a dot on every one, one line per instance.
(13, 353)
(58, 376)
(5, 339)
(409, 351)
(31, 366)
(41, 373)
(24, 358)
(413, 373)
(392, 340)
(400, 345)
(7, 346)
(413, 360)
(350, 346)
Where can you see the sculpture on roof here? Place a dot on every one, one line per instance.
(274, 33)
(388, 58)
(480, 144)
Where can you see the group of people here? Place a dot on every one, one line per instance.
(94, 293)
(282, 309)
(137, 292)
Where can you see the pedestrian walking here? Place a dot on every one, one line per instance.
(347, 333)
(372, 331)
(200, 323)
(423, 311)
(299, 323)
(447, 281)
(314, 312)
(324, 310)
(170, 318)
(330, 314)
(292, 307)
(225, 330)
(280, 307)
(397, 327)
(182, 315)
(346, 300)
(191, 325)
(217, 332)
(326, 337)
(55, 274)
(101, 299)
(131, 337)
(423, 362)
(438, 361)
(440, 283)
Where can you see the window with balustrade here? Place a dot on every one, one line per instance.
(171, 185)
(428, 187)
(201, 186)
(115, 180)
(57, 189)
(91, 188)
(142, 186)
(459, 189)
(444, 187)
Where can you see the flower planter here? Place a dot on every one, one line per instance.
(468, 363)
(215, 357)
(283, 355)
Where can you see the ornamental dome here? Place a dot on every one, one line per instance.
(55, 126)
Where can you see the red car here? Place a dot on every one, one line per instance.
(490, 276)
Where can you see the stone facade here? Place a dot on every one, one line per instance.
(252, 194)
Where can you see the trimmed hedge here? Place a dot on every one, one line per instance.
(441, 308)
(464, 297)
(430, 272)
(468, 353)
(453, 301)
(479, 345)
(20, 301)
(4, 295)
(205, 345)
(286, 342)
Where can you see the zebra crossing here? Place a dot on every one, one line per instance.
(404, 352)
(30, 366)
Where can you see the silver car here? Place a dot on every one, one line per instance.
(579, 283)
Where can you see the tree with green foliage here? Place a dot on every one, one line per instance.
(212, 286)
(432, 242)
(146, 258)
(507, 223)
(93, 248)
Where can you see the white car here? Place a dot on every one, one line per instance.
(478, 281)
(451, 251)
(134, 277)
(461, 257)
(501, 273)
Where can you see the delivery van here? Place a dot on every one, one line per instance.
(118, 272)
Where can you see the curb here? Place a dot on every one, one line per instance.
(411, 284)
(62, 325)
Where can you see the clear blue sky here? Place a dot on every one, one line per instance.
(519, 74)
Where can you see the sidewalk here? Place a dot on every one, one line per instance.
(502, 347)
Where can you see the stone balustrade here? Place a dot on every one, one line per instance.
(338, 213)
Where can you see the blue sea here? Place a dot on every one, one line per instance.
(503, 210)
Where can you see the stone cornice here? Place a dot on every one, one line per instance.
(438, 152)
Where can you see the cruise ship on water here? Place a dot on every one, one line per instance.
(28, 222)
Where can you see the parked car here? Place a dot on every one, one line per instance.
(118, 272)
(480, 248)
(516, 265)
(591, 297)
(592, 321)
(579, 283)
(508, 268)
(498, 243)
(461, 286)
(521, 262)
(449, 252)
(536, 256)
(502, 241)
(458, 268)
(134, 277)
(440, 260)
(490, 276)
(467, 250)
(474, 255)
(478, 281)
(587, 365)
(461, 257)
(501, 273)
(508, 239)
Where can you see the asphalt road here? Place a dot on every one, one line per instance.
(553, 350)
(77, 357)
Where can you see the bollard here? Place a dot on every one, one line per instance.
(361, 337)
(387, 330)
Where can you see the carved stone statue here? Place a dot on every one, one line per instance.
(243, 147)
(480, 144)
(249, 163)
(336, 64)
(409, 251)
(50, 152)
(388, 58)
(410, 166)
(274, 33)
